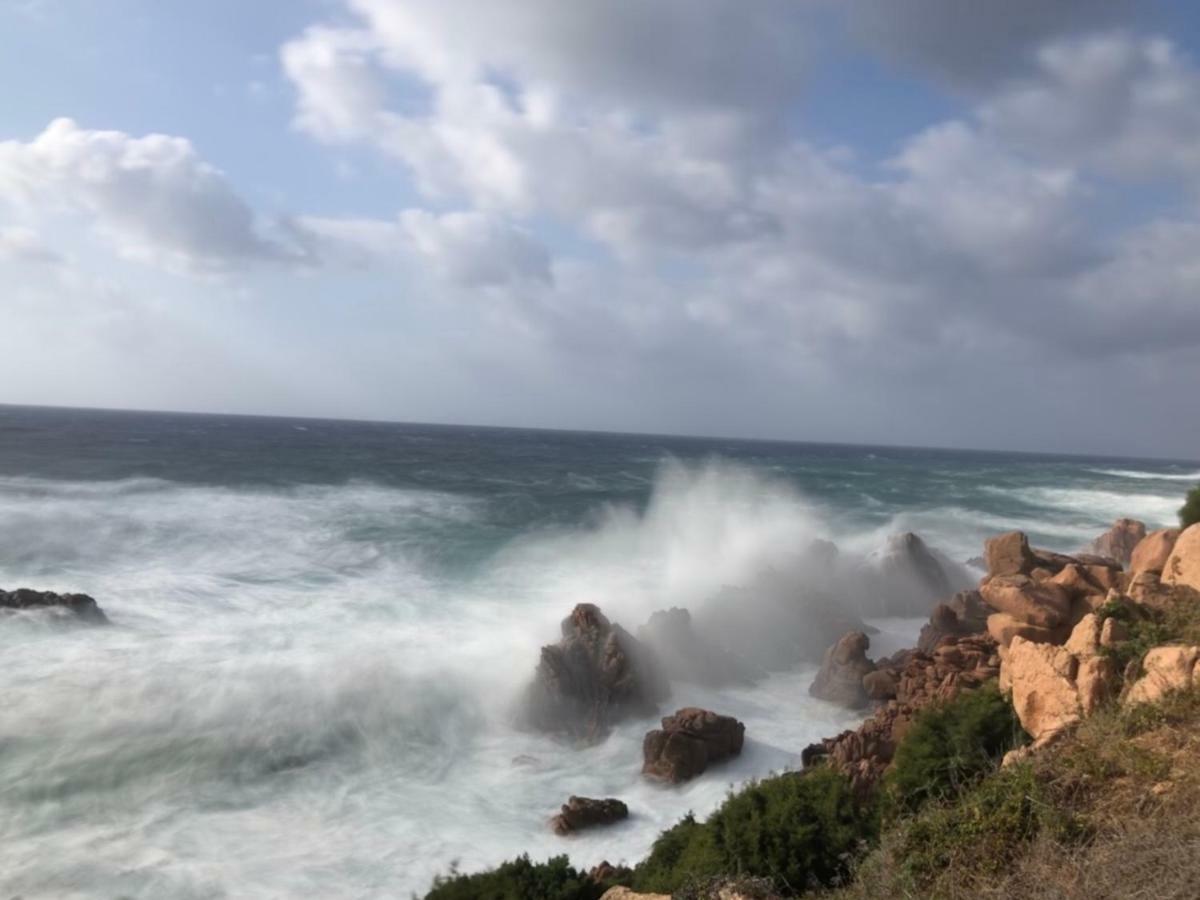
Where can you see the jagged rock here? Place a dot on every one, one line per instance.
(81, 606)
(687, 656)
(1153, 551)
(1085, 637)
(1183, 565)
(910, 577)
(606, 871)
(840, 678)
(1043, 604)
(595, 676)
(579, 813)
(963, 615)
(1113, 632)
(1167, 669)
(1009, 554)
(688, 742)
(1147, 589)
(1120, 540)
(624, 893)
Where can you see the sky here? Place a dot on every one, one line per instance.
(922, 222)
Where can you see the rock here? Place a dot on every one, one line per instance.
(1153, 551)
(688, 742)
(1077, 581)
(880, 685)
(624, 893)
(1044, 693)
(1183, 565)
(1009, 554)
(1147, 589)
(1120, 540)
(687, 656)
(1095, 682)
(579, 813)
(1112, 632)
(911, 577)
(595, 676)
(963, 615)
(1045, 605)
(1166, 669)
(840, 678)
(1085, 637)
(81, 606)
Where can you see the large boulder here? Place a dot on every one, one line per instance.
(1153, 551)
(686, 655)
(965, 614)
(81, 606)
(1120, 540)
(1166, 669)
(579, 813)
(1183, 565)
(840, 678)
(1003, 628)
(1044, 693)
(595, 676)
(1043, 604)
(689, 742)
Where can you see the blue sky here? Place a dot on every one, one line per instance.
(904, 222)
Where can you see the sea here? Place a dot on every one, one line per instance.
(319, 629)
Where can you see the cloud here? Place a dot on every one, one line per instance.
(19, 244)
(153, 198)
(973, 45)
(1125, 104)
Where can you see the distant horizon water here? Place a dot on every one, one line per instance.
(319, 628)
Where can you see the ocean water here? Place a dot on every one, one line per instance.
(319, 629)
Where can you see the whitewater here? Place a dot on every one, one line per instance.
(319, 630)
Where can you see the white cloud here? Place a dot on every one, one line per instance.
(20, 244)
(153, 198)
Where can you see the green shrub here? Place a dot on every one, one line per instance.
(950, 745)
(798, 830)
(518, 879)
(1189, 513)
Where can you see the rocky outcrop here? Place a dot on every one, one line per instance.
(81, 606)
(1153, 551)
(1120, 540)
(597, 675)
(1182, 567)
(1008, 554)
(920, 678)
(840, 678)
(579, 813)
(689, 742)
(1167, 669)
(624, 893)
(685, 655)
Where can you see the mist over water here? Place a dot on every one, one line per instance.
(319, 630)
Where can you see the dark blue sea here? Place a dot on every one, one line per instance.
(319, 628)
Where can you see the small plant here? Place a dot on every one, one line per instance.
(1189, 513)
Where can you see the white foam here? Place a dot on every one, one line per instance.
(1150, 476)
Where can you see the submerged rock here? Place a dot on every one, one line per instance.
(689, 742)
(597, 675)
(81, 606)
(579, 813)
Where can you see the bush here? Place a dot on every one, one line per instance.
(1189, 513)
(799, 830)
(518, 879)
(950, 746)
